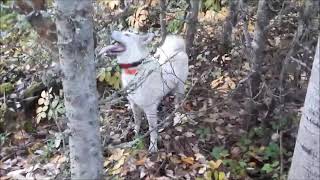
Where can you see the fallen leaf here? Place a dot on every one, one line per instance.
(141, 161)
(116, 154)
(219, 175)
(202, 170)
(189, 134)
(115, 172)
(41, 101)
(215, 164)
(119, 163)
(208, 175)
(106, 163)
(217, 82)
(188, 160)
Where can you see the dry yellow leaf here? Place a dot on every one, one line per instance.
(231, 84)
(143, 17)
(224, 88)
(217, 82)
(188, 160)
(144, 12)
(251, 26)
(119, 163)
(116, 154)
(113, 4)
(215, 164)
(175, 160)
(106, 163)
(59, 159)
(141, 161)
(115, 172)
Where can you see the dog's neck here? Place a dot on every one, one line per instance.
(131, 68)
(129, 61)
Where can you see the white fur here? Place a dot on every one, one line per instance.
(159, 76)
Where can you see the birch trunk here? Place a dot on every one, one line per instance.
(192, 21)
(306, 158)
(76, 53)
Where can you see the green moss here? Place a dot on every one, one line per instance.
(6, 88)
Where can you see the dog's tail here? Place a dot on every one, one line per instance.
(172, 45)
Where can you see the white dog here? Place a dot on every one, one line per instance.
(149, 79)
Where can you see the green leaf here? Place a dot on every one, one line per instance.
(267, 168)
(107, 76)
(219, 175)
(272, 151)
(50, 113)
(219, 152)
(6, 88)
(109, 68)
(45, 108)
(275, 164)
(102, 76)
(55, 102)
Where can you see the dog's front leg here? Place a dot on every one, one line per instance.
(179, 93)
(137, 115)
(151, 113)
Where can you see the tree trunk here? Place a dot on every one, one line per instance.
(76, 53)
(192, 20)
(44, 26)
(306, 158)
(163, 20)
(230, 22)
(307, 24)
(258, 44)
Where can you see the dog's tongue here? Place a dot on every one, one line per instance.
(112, 49)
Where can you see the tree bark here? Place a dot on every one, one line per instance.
(192, 21)
(230, 22)
(258, 44)
(307, 24)
(76, 53)
(163, 20)
(44, 26)
(306, 158)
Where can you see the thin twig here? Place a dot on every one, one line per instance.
(281, 154)
(300, 63)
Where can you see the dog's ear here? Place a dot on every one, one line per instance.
(147, 38)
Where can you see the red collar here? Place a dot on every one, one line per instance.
(131, 71)
(129, 68)
(130, 65)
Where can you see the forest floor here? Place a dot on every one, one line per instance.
(213, 136)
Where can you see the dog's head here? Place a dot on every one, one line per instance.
(128, 47)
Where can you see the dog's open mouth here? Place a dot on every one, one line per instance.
(113, 49)
(117, 47)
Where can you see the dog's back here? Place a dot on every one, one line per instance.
(172, 46)
(173, 58)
